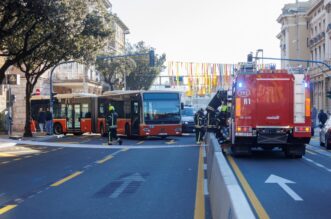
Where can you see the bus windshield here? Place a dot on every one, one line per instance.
(161, 108)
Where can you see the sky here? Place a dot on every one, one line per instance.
(210, 31)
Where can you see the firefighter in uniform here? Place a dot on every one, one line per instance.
(112, 125)
(199, 120)
(222, 120)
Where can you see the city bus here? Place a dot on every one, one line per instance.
(72, 113)
(140, 113)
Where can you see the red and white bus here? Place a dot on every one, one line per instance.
(140, 113)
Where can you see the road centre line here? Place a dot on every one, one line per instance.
(260, 211)
(199, 210)
(140, 142)
(104, 159)
(310, 152)
(6, 209)
(67, 178)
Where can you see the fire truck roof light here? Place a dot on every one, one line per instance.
(306, 84)
(240, 84)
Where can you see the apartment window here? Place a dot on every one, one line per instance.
(319, 26)
(323, 54)
(324, 23)
(315, 29)
(312, 31)
(319, 52)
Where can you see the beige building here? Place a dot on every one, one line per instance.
(315, 37)
(294, 32)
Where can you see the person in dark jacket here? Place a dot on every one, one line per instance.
(322, 117)
(41, 119)
(199, 120)
(49, 120)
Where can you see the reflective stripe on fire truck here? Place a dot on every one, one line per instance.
(299, 98)
(238, 107)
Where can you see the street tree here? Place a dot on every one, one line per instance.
(114, 71)
(142, 77)
(19, 19)
(74, 32)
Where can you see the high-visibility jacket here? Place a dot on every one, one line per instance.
(199, 120)
(112, 120)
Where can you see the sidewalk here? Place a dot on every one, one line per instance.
(38, 137)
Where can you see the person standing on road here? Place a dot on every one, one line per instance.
(322, 117)
(222, 119)
(112, 124)
(41, 119)
(49, 118)
(199, 120)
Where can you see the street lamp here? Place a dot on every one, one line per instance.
(257, 54)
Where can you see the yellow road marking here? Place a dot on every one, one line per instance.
(104, 159)
(6, 208)
(310, 152)
(125, 149)
(199, 210)
(7, 155)
(260, 211)
(67, 178)
(140, 142)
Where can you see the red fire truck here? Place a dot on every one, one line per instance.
(270, 108)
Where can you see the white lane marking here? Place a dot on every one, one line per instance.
(51, 144)
(136, 177)
(282, 183)
(205, 187)
(204, 153)
(317, 164)
(319, 150)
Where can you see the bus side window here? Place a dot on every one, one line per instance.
(85, 111)
(101, 110)
(135, 108)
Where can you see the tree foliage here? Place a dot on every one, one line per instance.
(71, 31)
(142, 77)
(115, 70)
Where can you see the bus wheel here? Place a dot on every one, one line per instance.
(127, 130)
(102, 131)
(58, 129)
(78, 133)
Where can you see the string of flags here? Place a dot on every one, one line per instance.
(202, 78)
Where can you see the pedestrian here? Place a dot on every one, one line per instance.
(112, 124)
(314, 116)
(41, 119)
(49, 120)
(322, 117)
(8, 122)
(199, 120)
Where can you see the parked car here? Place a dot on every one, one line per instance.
(188, 119)
(325, 135)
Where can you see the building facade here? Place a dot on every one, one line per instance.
(315, 37)
(293, 34)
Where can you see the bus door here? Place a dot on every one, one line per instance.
(73, 121)
(135, 117)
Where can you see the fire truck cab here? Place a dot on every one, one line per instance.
(270, 108)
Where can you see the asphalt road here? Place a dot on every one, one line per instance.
(278, 187)
(60, 182)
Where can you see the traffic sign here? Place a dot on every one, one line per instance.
(37, 91)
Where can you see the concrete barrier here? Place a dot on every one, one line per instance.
(227, 199)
